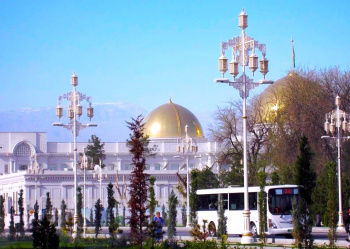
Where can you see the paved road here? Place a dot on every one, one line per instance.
(320, 236)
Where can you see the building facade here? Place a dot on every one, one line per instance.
(29, 162)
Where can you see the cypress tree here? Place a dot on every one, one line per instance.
(193, 197)
(12, 229)
(152, 198)
(21, 213)
(63, 214)
(56, 217)
(98, 216)
(139, 180)
(305, 178)
(45, 236)
(91, 218)
(48, 208)
(262, 207)
(183, 215)
(172, 202)
(164, 215)
(112, 225)
(35, 221)
(222, 221)
(95, 151)
(332, 203)
(2, 215)
(80, 207)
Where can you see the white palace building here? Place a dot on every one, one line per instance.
(29, 162)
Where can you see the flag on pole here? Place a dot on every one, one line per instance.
(293, 55)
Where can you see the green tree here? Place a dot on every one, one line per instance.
(305, 179)
(48, 207)
(172, 202)
(262, 207)
(91, 217)
(152, 197)
(183, 215)
(164, 215)
(12, 229)
(193, 197)
(63, 214)
(56, 217)
(80, 207)
(35, 221)
(332, 203)
(95, 152)
(21, 213)
(45, 236)
(320, 196)
(207, 179)
(123, 220)
(302, 224)
(139, 180)
(98, 216)
(112, 224)
(2, 214)
(222, 221)
(227, 131)
(275, 179)
(305, 176)
(200, 179)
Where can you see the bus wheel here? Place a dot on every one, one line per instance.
(212, 229)
(253, 229)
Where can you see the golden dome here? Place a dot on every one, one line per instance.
(169, 120)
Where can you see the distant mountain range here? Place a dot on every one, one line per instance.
(110, 117)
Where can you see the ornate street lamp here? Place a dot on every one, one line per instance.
(337, 124)
(84, 164)
(241, 46)
(100, 177)
(187, 147)
(74, 109)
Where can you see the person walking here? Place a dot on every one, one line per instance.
(159, 226)
(347, 223)
(318, 219)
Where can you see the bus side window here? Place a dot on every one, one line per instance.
(253, 201)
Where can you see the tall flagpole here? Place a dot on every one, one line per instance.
(293, 56)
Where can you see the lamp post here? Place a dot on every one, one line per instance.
(186, 148)
(74, 110)
(241, 46)
(337, 123)
(99, 177)
(84, 165)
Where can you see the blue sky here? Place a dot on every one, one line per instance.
(144, 52)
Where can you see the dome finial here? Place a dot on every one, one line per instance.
(170, 102)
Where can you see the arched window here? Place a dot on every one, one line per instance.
(22, 149)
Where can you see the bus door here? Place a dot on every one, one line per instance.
(235, 213)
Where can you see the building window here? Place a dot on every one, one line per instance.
(23, 150)
(53, 167)
(157, 167)
(148, 167)
(64, 167)
(174, 167)
(111, 167)
(127, 167)
(22, 167)
(191, 166)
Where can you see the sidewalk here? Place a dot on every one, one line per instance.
(284, 243)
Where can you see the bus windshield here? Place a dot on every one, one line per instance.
(281, 199)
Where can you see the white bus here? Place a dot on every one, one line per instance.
(279, 206)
